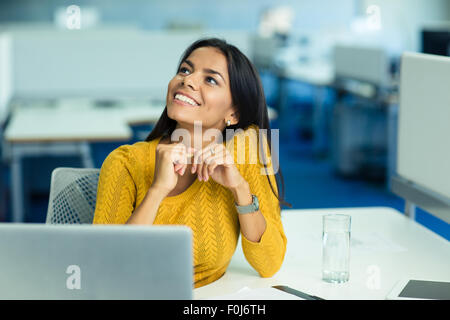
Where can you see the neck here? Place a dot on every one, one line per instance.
(196, 136)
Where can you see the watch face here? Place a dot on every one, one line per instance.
(255, 203)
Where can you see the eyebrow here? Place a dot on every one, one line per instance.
(207, 70)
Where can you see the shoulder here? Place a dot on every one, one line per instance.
(129, 155)
(252, 129)
(245, 144)
(240, 138)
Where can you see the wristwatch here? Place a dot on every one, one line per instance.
(254, 206)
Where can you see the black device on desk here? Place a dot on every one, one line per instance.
(297, 293)
(409, 289)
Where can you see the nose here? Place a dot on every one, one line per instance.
(190, 81)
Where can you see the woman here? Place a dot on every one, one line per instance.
(199, 182)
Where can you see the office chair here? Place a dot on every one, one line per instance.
(73, 193)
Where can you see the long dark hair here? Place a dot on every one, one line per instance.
(247, 95)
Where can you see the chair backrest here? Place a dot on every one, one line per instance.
(73, 193)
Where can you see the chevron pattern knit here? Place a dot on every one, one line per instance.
(206, 207)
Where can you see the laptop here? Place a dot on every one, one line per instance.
(39, 261)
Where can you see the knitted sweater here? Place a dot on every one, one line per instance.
(206, 207)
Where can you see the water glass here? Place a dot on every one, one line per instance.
(336, 248)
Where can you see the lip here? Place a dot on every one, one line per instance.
(185, 94)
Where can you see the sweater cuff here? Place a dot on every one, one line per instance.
(265, 256)
(266, 238)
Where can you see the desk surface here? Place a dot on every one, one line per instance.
(46, 125)
(317, 73)
(86, 123)
(385, 247)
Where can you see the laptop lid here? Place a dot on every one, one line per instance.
(39, 261)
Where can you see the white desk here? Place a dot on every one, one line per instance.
(33, 125)
(316, 73)
(385, 243)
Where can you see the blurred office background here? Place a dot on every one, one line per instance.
(330, 71)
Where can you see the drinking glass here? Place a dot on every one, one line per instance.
(336, 248)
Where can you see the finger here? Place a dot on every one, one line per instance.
(182, 154)
(213, 162)
(190, 154)
(200, 155)
(198, 160)
(205, 172)
(177, 146)
(186, 161)
(221, 157)
(178, 154)
(199, 168)
(182, 170)
(208, 153)
(177, 166)
(209, 160)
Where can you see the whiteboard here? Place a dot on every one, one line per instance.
(424, 121)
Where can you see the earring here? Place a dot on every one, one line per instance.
(228, 123)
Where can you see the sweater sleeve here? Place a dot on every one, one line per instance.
(116, 191)
(265, 256)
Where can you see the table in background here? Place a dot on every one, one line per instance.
(36, 131)
(385, 247)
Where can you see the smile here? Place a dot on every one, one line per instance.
(185, 99)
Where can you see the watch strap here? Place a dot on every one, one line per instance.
(254, 206)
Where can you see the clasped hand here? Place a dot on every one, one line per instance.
(214, 161)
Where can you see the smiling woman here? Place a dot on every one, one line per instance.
(197, 84)
(198, 182)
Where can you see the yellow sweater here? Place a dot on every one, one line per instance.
(206, 207)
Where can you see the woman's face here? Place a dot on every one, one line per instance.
(200, 91)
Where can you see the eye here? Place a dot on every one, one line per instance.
(183, 70)
(211, 80)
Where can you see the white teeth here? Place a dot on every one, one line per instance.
(185, 99)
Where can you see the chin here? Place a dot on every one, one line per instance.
(180, 114)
